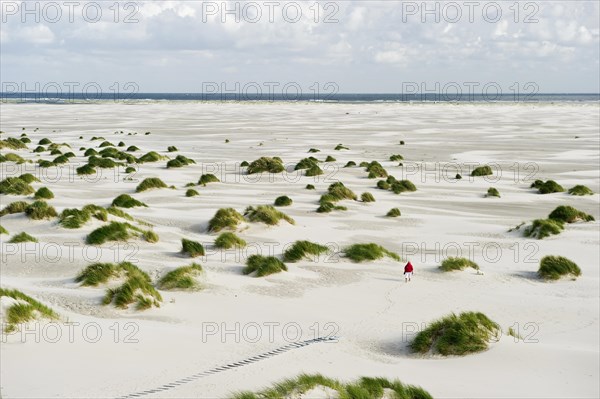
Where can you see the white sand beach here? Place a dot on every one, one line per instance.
(367, 306)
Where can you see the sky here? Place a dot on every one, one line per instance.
(329, 46)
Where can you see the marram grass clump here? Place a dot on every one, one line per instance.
(182, 278)
(457, 335)
(208, 178)
(3, 230)
(542, 228)
(492, 192)
(266, 214)
(14, 207)
(192, 248)
(137, 289)
(266, 164)
(127, 201)
(263, 265)
(179, 162)
(43, 193)
(40, 210)
(225, 218)
(15, 186)
(580, 190)
(22, 237)
(482, 171)
(367, 197)
(190, 192)
(393, 213)
(283, 200)
(229, 240)
(547, 187)
(368, 252)
(453, 263)
(555, 267)
(303, 249)
(149, 184)
(24, 310)
(568, 214)
(364, 388)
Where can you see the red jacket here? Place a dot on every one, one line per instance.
(408, 268)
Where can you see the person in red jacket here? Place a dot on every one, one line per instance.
(408, 271)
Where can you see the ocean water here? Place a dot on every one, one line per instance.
(339, 97)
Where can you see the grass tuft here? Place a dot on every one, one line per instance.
(482, 171)
(555, 267)
(182, 278)
(340, 147)
(14, 207)
(350, 164)
(459, 335)
(85, 170)
(376, 170)
(208, 178)
(367, 197)
(451, 264)
(580, 190)
(40, 210)
(302, 249)
(192, 248)
(310, 187)
(368, 252)
(151, 156)
(25, 310)
(568, 214)
(150, 183)
(263, 265)
(492, 192)
(266, 164)
(266, 214)
(22, 237)
(191, 193)
(393, 213)
(3, 230)
(547, 187)
(43, 193)
(180, 161)
(284, 200)
(330, 159)
(228, 241)
(137, 289)
(542, 228)
(127, 201)
(28, 178)
(15, 186)
(396, 157)
(225, 218)
(114, 231)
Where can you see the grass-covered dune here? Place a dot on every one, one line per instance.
(225, 218)
(363, 388)
(266, 214)
(119, 231)
(457, 335)
(192, 248)
(266, 164)
(229, 240)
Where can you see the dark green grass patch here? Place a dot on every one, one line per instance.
(263, 265)
(368, 252)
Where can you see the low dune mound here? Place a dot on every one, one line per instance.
(457, 335)
(482, 171)
(29, 178)
(40, 210)
(568, 214)
(15, 186)
(132, 148)
(22, 237)
(225, 218)
(547, 187)
(208, 178)
(580, 190)
(303, 250)
(13, 144)
(192, 248)
(149, 184)
(12, 157)
(127, 201)
(18, 308)
(452, 264)
(263, 265)
(555, 267)
(266, 164)
(14, 207)
(368, 252)
(266, 214)
(283, 200)
(73, 218)
(229, 240)
(319, 387)
(181, 278)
